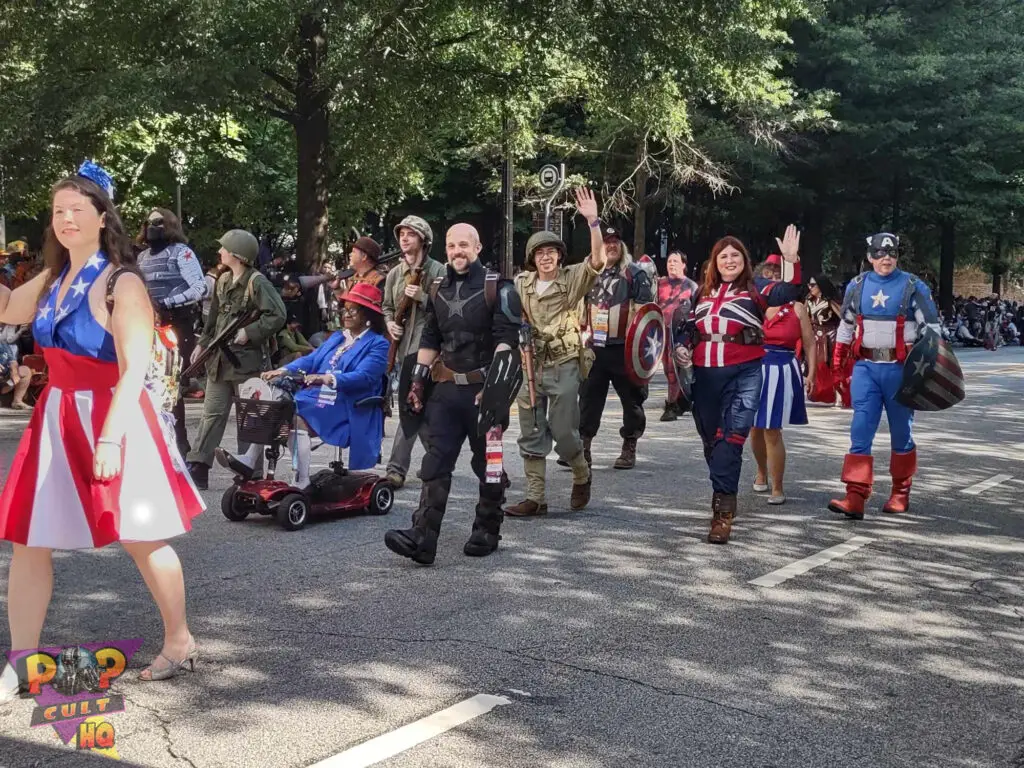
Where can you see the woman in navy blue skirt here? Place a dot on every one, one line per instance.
(782, 391)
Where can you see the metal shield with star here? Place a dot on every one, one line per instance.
(932, 377)
(645, 342)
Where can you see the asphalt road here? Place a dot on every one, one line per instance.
(614, 636)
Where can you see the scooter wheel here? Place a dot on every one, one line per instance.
(293, 512)
(229, 506)
(382, 498)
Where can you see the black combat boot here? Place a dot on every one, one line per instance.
(419, 543)
(487, 525)
(200, 475)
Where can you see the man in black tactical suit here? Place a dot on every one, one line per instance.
(471, 315)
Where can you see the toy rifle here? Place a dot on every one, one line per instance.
(405, 306)
(220, 342)
(526, 350)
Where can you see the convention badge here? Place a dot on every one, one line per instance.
(601, 328)
(326, 396)
(494, 455)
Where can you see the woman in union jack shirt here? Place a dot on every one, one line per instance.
(723, 339)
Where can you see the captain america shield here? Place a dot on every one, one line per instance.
(932, 377)
(645, 342)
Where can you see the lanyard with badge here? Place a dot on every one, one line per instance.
(328, 396)
(600, 325)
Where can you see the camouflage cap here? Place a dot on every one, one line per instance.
(419, 226)
(242, 244)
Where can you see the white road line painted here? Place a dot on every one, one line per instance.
(983, 486)
(390, 744)
(786, 573)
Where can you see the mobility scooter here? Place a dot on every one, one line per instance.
(266, 415)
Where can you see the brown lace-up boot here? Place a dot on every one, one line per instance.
(723, 510)
(627, 459)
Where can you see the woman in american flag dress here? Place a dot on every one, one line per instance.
(724, 341)
(95, 465)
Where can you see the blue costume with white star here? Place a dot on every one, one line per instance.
(71, 326)
(881, 319)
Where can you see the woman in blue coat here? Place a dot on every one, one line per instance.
(346, 368)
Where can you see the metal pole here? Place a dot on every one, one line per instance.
(506, 192)
(550, 200)
(179, 200)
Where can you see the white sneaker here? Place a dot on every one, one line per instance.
(8, 685)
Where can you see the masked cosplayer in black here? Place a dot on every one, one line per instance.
(156, 236)
(461, 325)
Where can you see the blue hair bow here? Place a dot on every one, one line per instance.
(96, 173)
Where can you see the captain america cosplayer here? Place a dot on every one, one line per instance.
(883, 314)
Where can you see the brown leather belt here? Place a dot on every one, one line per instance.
(878, 355)
(749, 336)
(441, 373)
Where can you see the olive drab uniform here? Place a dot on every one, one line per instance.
(232, 298)
(553, 312)
(394, 291)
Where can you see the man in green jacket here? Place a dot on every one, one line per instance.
(237, 291)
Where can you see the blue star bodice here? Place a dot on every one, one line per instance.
(881, 297)
(71, 326)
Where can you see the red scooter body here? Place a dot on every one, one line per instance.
(330, 491)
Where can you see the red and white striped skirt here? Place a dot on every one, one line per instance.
(50, 498)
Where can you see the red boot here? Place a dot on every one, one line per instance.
(858, 474)
(902, 467)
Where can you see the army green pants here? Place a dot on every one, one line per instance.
(556, 423)
(216, 411)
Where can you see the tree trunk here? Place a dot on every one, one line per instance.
(947, 259)
(312, 133)
(812, 242)
(997, 266)
(640, 217)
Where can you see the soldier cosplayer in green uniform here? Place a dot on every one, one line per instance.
(551, 296)
(414, 237)
(238, 290)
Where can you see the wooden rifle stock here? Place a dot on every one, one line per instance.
(401, 316)
(526, 350)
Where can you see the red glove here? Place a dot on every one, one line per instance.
(841, 358)
(415, 397)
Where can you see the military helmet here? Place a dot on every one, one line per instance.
(242, 244)
(539, 239)
(420, 227)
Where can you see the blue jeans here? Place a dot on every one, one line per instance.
(875, 385)
(725, 401)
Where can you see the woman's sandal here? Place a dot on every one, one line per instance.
(172, 668)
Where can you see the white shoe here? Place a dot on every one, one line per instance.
(776, 500)
(8, 685)
(760, 487)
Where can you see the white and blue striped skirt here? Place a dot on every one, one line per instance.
(782, 390)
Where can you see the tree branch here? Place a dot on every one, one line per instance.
(281, 80)
(280, 103)
(389, 19)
